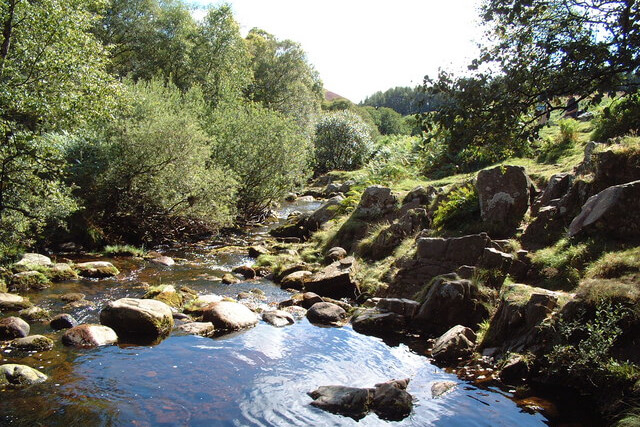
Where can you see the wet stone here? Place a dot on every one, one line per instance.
(63, 321)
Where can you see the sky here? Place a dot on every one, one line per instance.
(360, 47)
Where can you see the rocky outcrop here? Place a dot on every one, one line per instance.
(278, 318)
(454, 345)
(88, 335)
(390, 237)
(452, 301)
(614, 212)
(334, 281)
(32, 343)
(326, 313)
(376, 202)
(20, 375)
(138, 320)
(13, 327)
(515, 327)
(13, 302)
(96, 269)
(557, 186)
(504, 193)
(228, 316)
(390, 400)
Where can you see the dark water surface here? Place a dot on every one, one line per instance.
(256, 377)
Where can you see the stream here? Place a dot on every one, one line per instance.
(259, 376)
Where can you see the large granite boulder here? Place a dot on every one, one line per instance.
(454, 345)
(452, 301)
(17, 375)
(334, 281)
(504, 193)
(96, 269)
(138, 320)
(13, 327)
(326, 313)
(376, 202)
(391, 400)
(13, 302)
(89, 335)
(228, 316)
(614, 212)
(61, 272)
(295, 280)
(32, 261)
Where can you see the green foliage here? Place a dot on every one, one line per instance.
(403, 100)
(560, 264)
(585, 350)
(123, 250)
(52, 78)
(551, 151)
(388, 121)
(619, 119)
(148, 171)
(395, 158)
(266, 152)
(461, 205)
(342, 141)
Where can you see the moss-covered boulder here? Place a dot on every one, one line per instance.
(165, 293)
(35, 314)
(21, 282)
(61, 272)
(96, 269)
(13, 302)
(17, 375)
(32, 343)
(138, 320)
(31, 261)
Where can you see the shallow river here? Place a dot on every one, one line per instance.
(256, 377)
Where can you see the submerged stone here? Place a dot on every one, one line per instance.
(17, 375)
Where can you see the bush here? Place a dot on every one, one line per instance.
(266, 151)
(395, 158)
(621, 118)
(342, 141)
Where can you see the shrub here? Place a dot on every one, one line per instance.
(266, 151)
(395, 158)
(342, 141)
(621, 118)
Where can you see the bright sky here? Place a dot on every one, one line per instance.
(363, 46)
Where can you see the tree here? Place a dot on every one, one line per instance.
(388, 121)
(52, 78)
(283, 80)
(342, 141)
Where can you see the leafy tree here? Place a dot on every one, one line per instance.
(147, 173)
(343, 141)
(403, 100)
(283, 79)
(264, 150)
(388, 121)
(52, 77)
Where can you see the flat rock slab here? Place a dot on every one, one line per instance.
(138, 320)
(32, 343)
(229, 316)
(204, 329)
(89, 335)
(12, 374)
(96, 269)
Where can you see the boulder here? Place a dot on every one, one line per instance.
(73, 296)
(420, 196)
(278, 318)
(61, 272)
(349, 401)
(515, 370)
(452, 301)
(441, 388)
(323, 214)
(615, 166)
(204, 329)
(256, 251)
(96, 269)
(557, 187)
(230, 279)
(504, 193)
(17, 375)
(138, 320)
(22, 282)
(165, 293)
(245, 271)
(34, 314)
(295, 280)
(13, 327)
(31, 261)
(163, 260)
(63, 321)
(378, 323)
(455, 344)
(335, 280)
(405, 307)
(376, 202)
(326, 313)
(229, 316)
(309, 299)
(614, 212)
(32, 343)
(391, 400)
(13, 302)
(88, 335)
(335, 254)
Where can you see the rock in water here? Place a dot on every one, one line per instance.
(12, 374)
(391, 401)
(11, 302)
(87, 335)
(32, 343)
(458, 342)
(278, 318)
(13, 327)
(229, 316)
(334, 281)
(138, 320)
(350, 401)
(96, 269)
(204, 329)
(441, 388)
(63, 321)
(326, 313)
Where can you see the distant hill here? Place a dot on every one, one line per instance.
(332, 96)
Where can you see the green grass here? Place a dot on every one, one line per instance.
(616, 264)
(123, 250)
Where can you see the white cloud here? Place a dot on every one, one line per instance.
(362, 46)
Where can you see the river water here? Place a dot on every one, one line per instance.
(259, 377)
